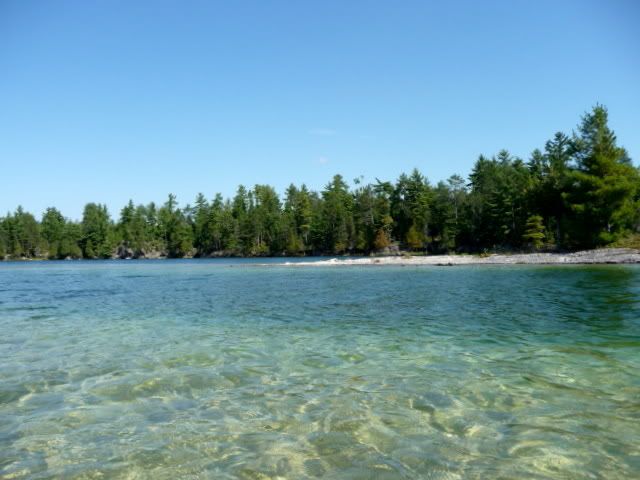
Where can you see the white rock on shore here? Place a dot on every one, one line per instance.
(587, 257)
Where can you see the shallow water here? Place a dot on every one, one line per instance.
(224, 369)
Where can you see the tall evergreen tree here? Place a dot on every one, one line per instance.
(176, 231)
(52, 228)
(410, 208)
(266, 221)
(336, 219)
(604, 185)
(97, 237)
(551, 182)
(203, 239)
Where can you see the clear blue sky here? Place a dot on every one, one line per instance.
(109, 100)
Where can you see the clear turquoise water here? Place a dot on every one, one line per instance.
(218, 369)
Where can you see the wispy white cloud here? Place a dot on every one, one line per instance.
(322, 160)
(322, 132)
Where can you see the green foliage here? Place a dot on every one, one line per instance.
(415, 238)
(3, 240)
(373, 223)
(631, 240)
(577, 192)
(52, 229)
(296, 220)
(335, 223)
(534, 232)
(411, 206)
(175, 229)
(60, 236)
(69, 246)
(498, 201)
(603, 197)
(265, 221)
(551, 184)
(97, 239)
(448, 202)
(382, 240)
(20, 235)
(138, 231)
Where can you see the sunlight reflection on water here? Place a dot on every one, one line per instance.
(181, 369)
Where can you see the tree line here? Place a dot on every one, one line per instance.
(579, 191)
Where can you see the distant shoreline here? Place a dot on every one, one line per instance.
(615, 256)
(604, 256)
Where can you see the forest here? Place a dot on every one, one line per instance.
(579, 191)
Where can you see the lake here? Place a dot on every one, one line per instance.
(229, 369)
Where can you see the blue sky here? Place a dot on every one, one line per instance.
(109, 100)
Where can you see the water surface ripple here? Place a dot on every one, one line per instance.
(221, 369)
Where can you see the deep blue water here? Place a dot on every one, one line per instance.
(229, 369)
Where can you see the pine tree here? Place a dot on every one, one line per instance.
(382, 240)
(604, 185)
(534, 233)
(336, 218)
(97, 239)
(52, 228)
(176, 230)
(415, 238)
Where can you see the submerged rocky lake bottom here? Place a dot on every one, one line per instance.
(228, 369)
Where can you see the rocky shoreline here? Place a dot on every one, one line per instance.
(615, 256)
(587, 257)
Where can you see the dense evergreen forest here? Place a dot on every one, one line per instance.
(580, 191)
